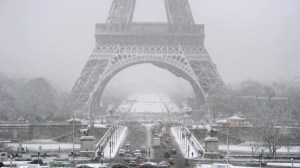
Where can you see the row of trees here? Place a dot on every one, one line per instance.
(269, 107)
(31, 99)
(36, 99)
(255, 100)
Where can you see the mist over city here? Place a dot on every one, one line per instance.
(150, 83)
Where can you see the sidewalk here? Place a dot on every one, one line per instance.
(110, 151)
(187, 148)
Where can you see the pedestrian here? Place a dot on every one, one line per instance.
(1, 164)
(192, 154)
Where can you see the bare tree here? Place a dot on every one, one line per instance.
(271, 137)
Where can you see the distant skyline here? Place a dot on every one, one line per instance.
(249, 39)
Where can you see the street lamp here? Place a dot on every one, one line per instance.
(262, 152)
(188, 151)
(20, 134)
(110, 149)
(186, 141)
(73, 136)
(107, 140)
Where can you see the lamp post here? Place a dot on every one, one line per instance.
(227, 141)
(20, 134)
(188, 151)
(116, 134)
(110, 149)
(261, 159)
(107, 139)
(186, 141)
(73, 136)
(110, 143)
(10, 160)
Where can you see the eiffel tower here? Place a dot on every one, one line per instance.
(177, 45)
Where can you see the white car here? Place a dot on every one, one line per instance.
(127, 144)
(137, 153)
(121, 152)
(143, 149)
(133, 163)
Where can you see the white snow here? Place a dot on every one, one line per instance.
(148, 138)
(248, 148)
(99, 125)
(283, 164)
(269, 164)
(148, 103)
(45, 147)
(122, 133)
(182, 144)
(94, 165)
(210, 166)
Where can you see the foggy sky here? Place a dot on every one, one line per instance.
(256, 39)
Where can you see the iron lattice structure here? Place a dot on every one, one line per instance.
(177, 46)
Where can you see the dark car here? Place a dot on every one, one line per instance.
(84, 166)
(37, 161)
(119, 166)
(95, 159)
(163, 164)
(127, 157)
(167, 154)
(256, 163)
(148, 165)
(171, 161)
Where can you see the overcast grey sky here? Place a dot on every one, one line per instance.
(256, 39)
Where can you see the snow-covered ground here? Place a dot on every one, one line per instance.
(220, 166)
(121, 134)
(44, 145)
(284, 164)
(94, 165)
(148, 103)
(248, 148)
(231, 166)
(183, 145)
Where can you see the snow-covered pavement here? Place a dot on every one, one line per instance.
(218, 165)
(248, 148)
(148, 103)
(148, 138)
(44, 145)
(186, 146)
(110, 151)
(231, 166)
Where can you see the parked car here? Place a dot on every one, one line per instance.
(171, 161)
(167, 154)
(127, 157)
(137, 153)
(173, 151)
(95, 159)
(256, 163)
(143, 149)
(127, 151)
(118, 165)
(121, 152)
(132, 159)
(133, 163)
(84, 166)
(163, 164)
(127, 144)
(37, 161)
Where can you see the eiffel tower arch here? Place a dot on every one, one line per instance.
(177, 46)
